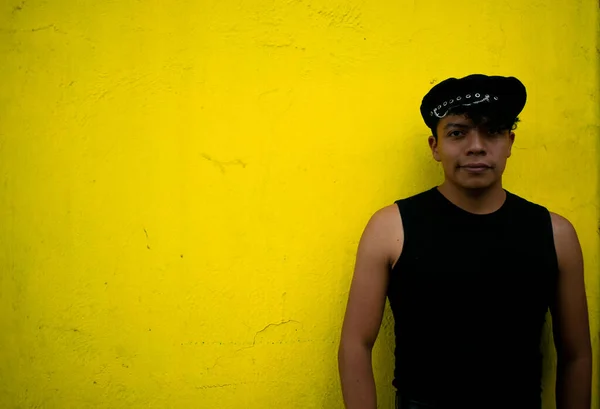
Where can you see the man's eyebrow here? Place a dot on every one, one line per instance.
(452, 124)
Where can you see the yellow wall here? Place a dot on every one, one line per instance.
(183, 184)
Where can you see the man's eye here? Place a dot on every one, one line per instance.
(456, 133)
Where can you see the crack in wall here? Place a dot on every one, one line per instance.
(273, 324)
(221, 164)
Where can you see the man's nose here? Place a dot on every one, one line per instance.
(476, 143)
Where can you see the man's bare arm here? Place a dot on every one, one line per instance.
(570, 321)
(380, 243)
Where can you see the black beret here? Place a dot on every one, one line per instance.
(504, 94)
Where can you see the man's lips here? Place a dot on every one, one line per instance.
(476, 166)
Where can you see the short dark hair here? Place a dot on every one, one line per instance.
(484, 115)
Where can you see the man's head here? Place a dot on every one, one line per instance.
(472, 121)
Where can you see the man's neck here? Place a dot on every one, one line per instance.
(478, 201)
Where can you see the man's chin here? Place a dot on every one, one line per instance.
(473, 183)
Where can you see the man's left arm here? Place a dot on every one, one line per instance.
(570, 321)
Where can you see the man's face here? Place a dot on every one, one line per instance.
(472, 157)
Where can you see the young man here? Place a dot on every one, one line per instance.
(470, 271)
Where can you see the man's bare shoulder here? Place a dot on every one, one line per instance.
(561, 225)
(565, 236)
(386, 216)
(566, 242)
(384, 230)
(386, 220)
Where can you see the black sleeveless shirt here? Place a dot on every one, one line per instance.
(469, 295)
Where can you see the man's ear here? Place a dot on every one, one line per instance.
(511, 140)
(433, 145)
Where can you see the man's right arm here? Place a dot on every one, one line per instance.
(379, 247)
